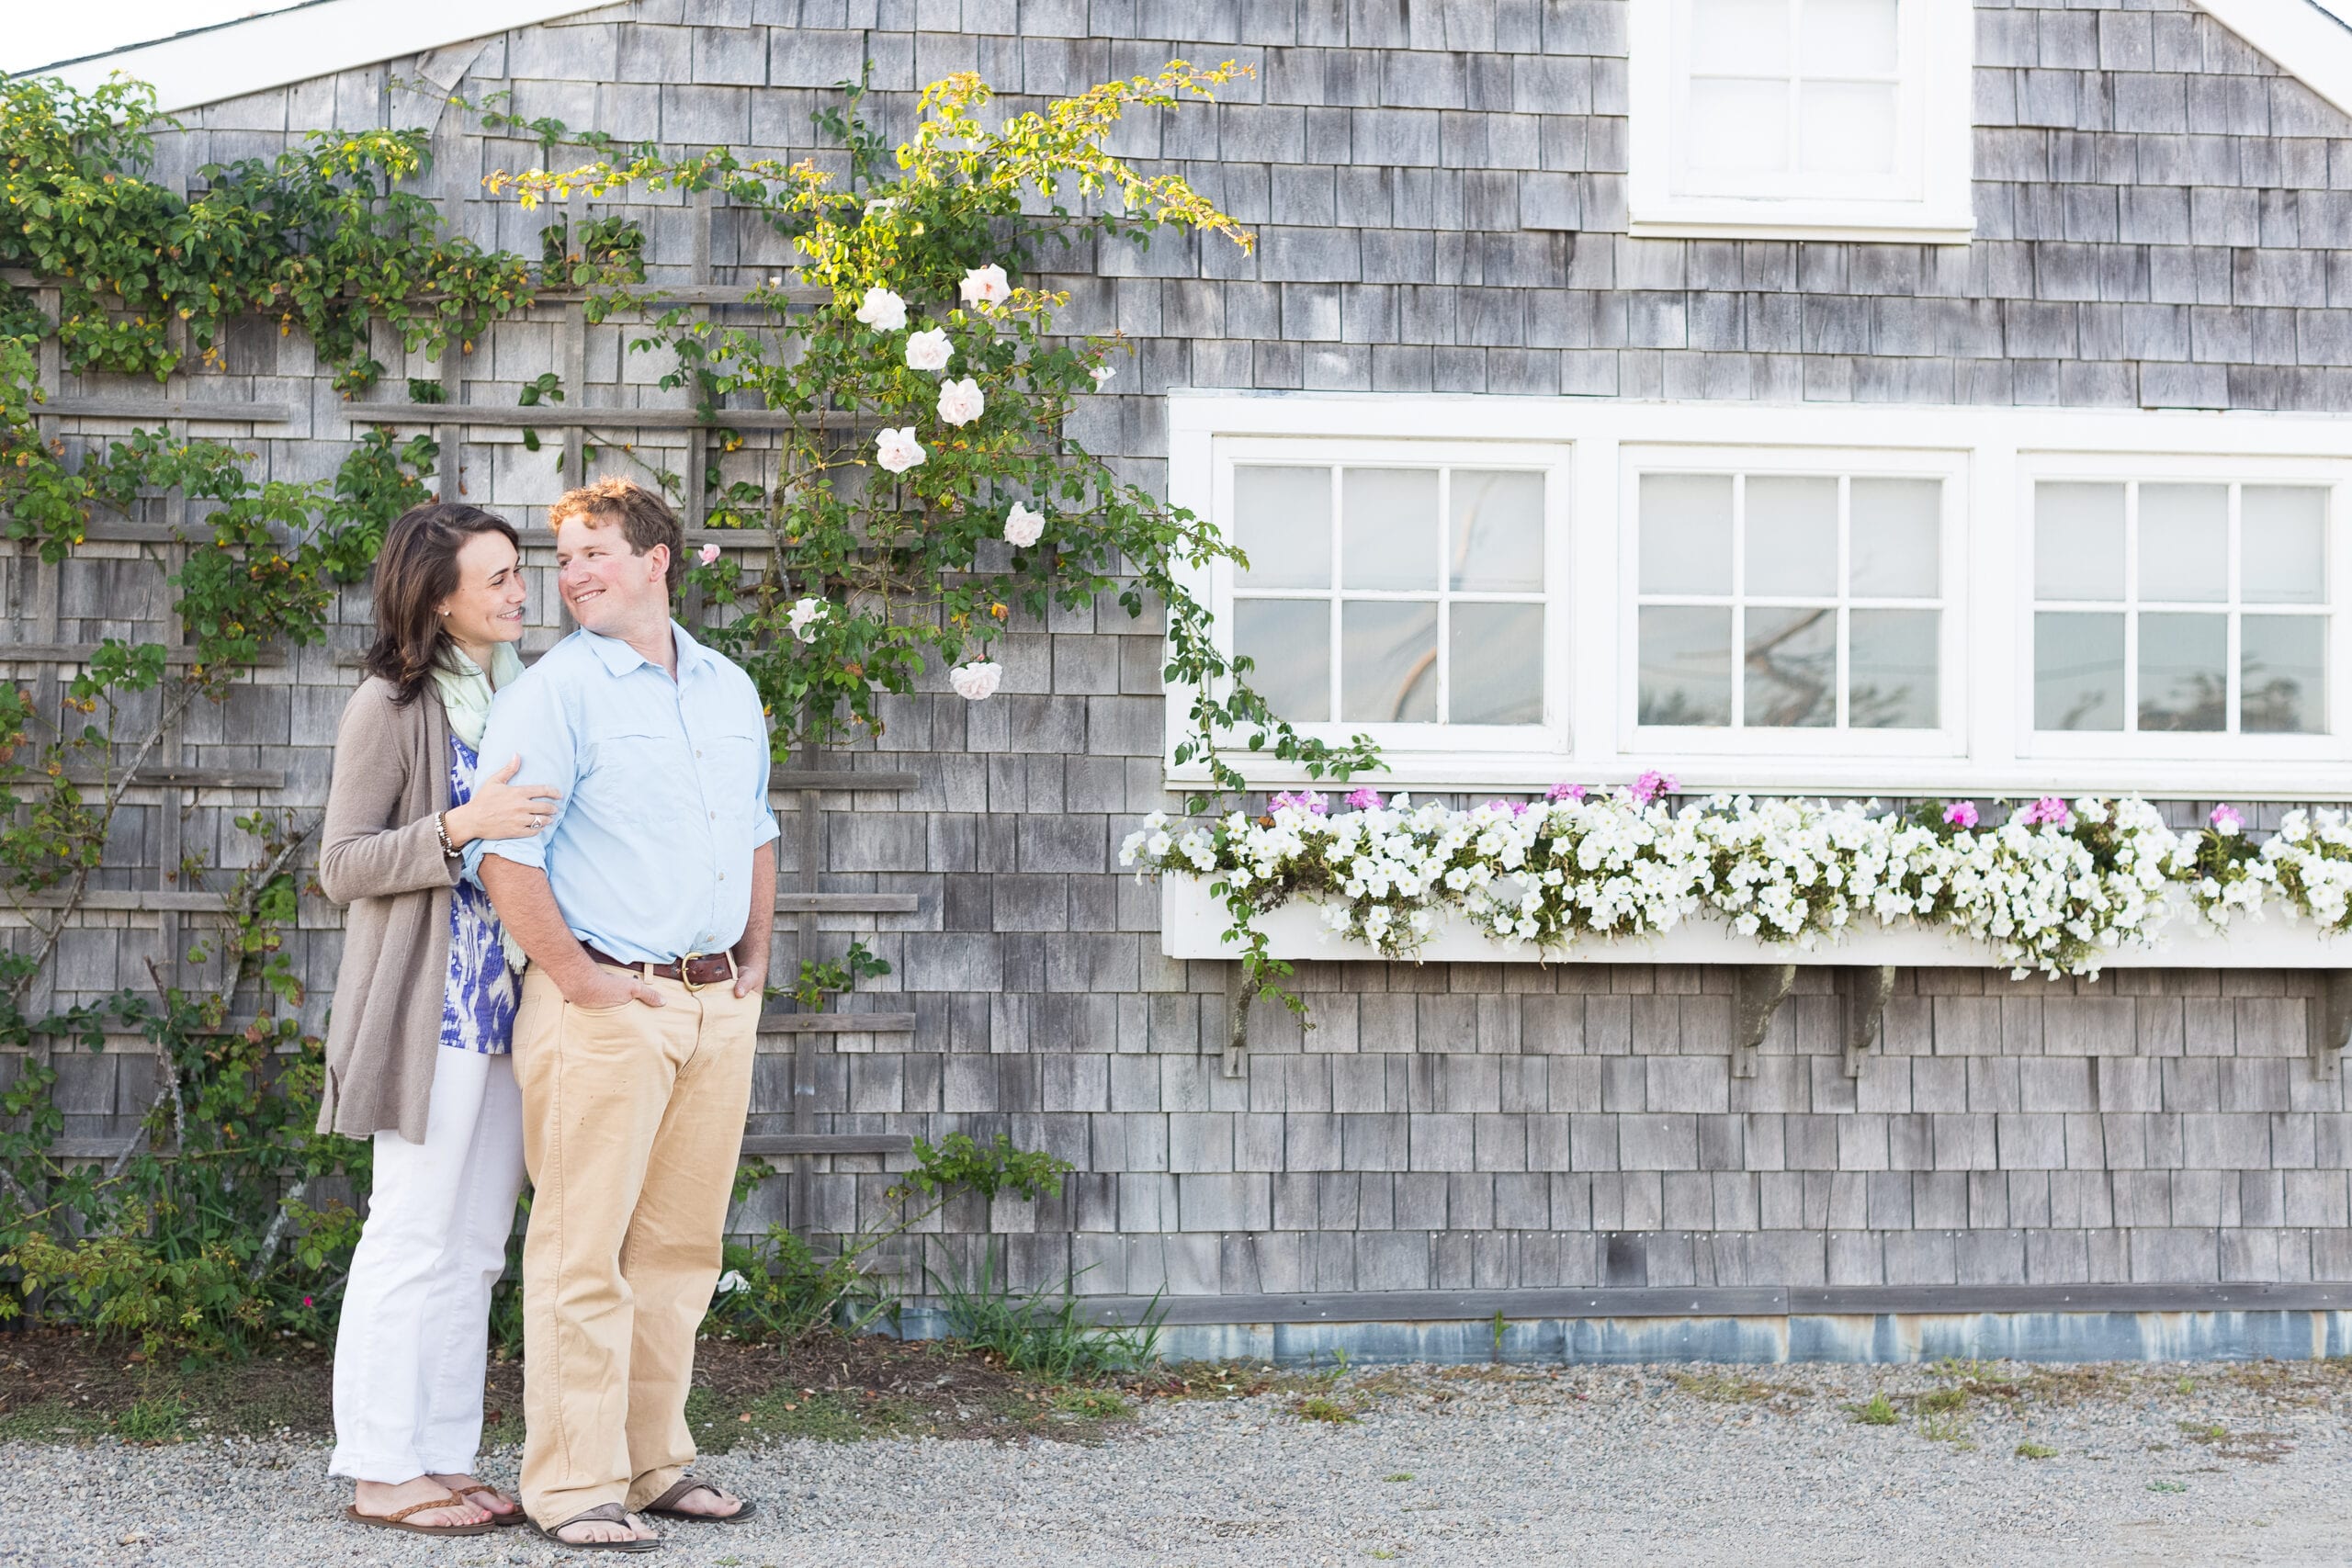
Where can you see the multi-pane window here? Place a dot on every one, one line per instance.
(1775, 601)
(1793, 96)
(2180, 607)
(1392, 594)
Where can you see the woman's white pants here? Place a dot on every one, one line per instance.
(416, 1332)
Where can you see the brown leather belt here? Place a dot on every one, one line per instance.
(696, 970)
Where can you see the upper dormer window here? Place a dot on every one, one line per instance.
(1801, 118)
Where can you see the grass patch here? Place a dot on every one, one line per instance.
(1942, 1401)
(2260, 1448)
(1039, 1333)
(1946, 1429)
(1400, 1475)
(1322, 1408)
(1723, 1388)
(154, 1420)
(1877, 1411)
(2167, 1485)
(1093, 1404)
(2035, 1451)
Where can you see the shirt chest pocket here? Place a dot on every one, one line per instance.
(714, 774)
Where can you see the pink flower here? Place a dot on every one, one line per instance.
(306, 1300)
(897, 449)
(1022, 525)
(1101, 374)
(1961, 813)
(1516, 808)
(929, 351)
(960, 402)
(2050, 809)
(1564, 792)
(2227, 820)
(1652, 784)
(985, 285)
(708, 555)
(1364, 799)
(976, 682)
(1304, 800)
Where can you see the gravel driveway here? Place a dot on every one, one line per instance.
(1488, 1467)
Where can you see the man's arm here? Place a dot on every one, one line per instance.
(751, 953)
(526, 908)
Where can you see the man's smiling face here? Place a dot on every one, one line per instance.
(606, 586)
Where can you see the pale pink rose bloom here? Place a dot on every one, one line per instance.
(976, 682)
(986, 285)
(960, 402)
(708, 555)
(1022, 525)
(1101, 374)
(883, 311)
(805, 614)
(929, 351)
(897, 449)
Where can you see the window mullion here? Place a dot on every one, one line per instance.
(2232, 694)
(1339, 576)
(2132, 608)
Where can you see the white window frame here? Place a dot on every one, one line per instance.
(1990, 457)
(2200, 745)
(1932, 204)
(1548, 738)
(1948, 739)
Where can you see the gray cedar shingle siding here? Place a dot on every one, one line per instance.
(1439, 197)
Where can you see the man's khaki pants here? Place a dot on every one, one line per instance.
(632, 1124)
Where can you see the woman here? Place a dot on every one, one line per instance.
(416, 1055)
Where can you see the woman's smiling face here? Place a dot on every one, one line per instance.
(487, 606)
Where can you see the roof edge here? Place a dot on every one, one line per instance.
(303, 43)
(2305, 41)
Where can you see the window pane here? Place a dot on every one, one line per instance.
(1738, 126)
(1686, 535)
(1497, 545)
(2185, 542)
(1846, 128)
(1792, 537)
(1291, 640)
(1389, 663)
(1746, 35)
(1841, 38)
(1792, 668)
(2077, 672)
(2283, 676)
(1894, 536)
(1891, 664)
(1496, 664)
(2184, 663)
(2282, 545)
(1388, 529)
(1282, 520)
(2078, 542)
(1685, 665)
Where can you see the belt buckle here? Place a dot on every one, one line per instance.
(686, 971)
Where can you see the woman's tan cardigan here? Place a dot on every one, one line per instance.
(379, 855)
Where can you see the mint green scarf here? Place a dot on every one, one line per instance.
(466, 692)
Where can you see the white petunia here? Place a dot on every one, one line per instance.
(986, 285)
(928, 350)
(960, 402)
(883, 311)
(976, 682)
(732, 1282)
(1023, 526)
(897, 449)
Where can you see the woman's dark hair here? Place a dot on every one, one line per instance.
(416, 570)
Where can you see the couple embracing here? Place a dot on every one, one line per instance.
(561, 892)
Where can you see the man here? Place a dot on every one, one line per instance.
(645, 907)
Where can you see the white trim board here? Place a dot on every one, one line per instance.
(302, 43)
(2299, 37)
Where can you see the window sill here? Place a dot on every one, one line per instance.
(1192, 924)
(1773, 220)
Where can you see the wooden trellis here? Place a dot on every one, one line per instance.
(450, 420)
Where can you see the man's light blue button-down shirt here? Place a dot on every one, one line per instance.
(665, 793)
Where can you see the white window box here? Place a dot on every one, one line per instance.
(1801, 119)
(1192, 924)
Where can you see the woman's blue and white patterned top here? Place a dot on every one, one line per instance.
(478, 1005)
